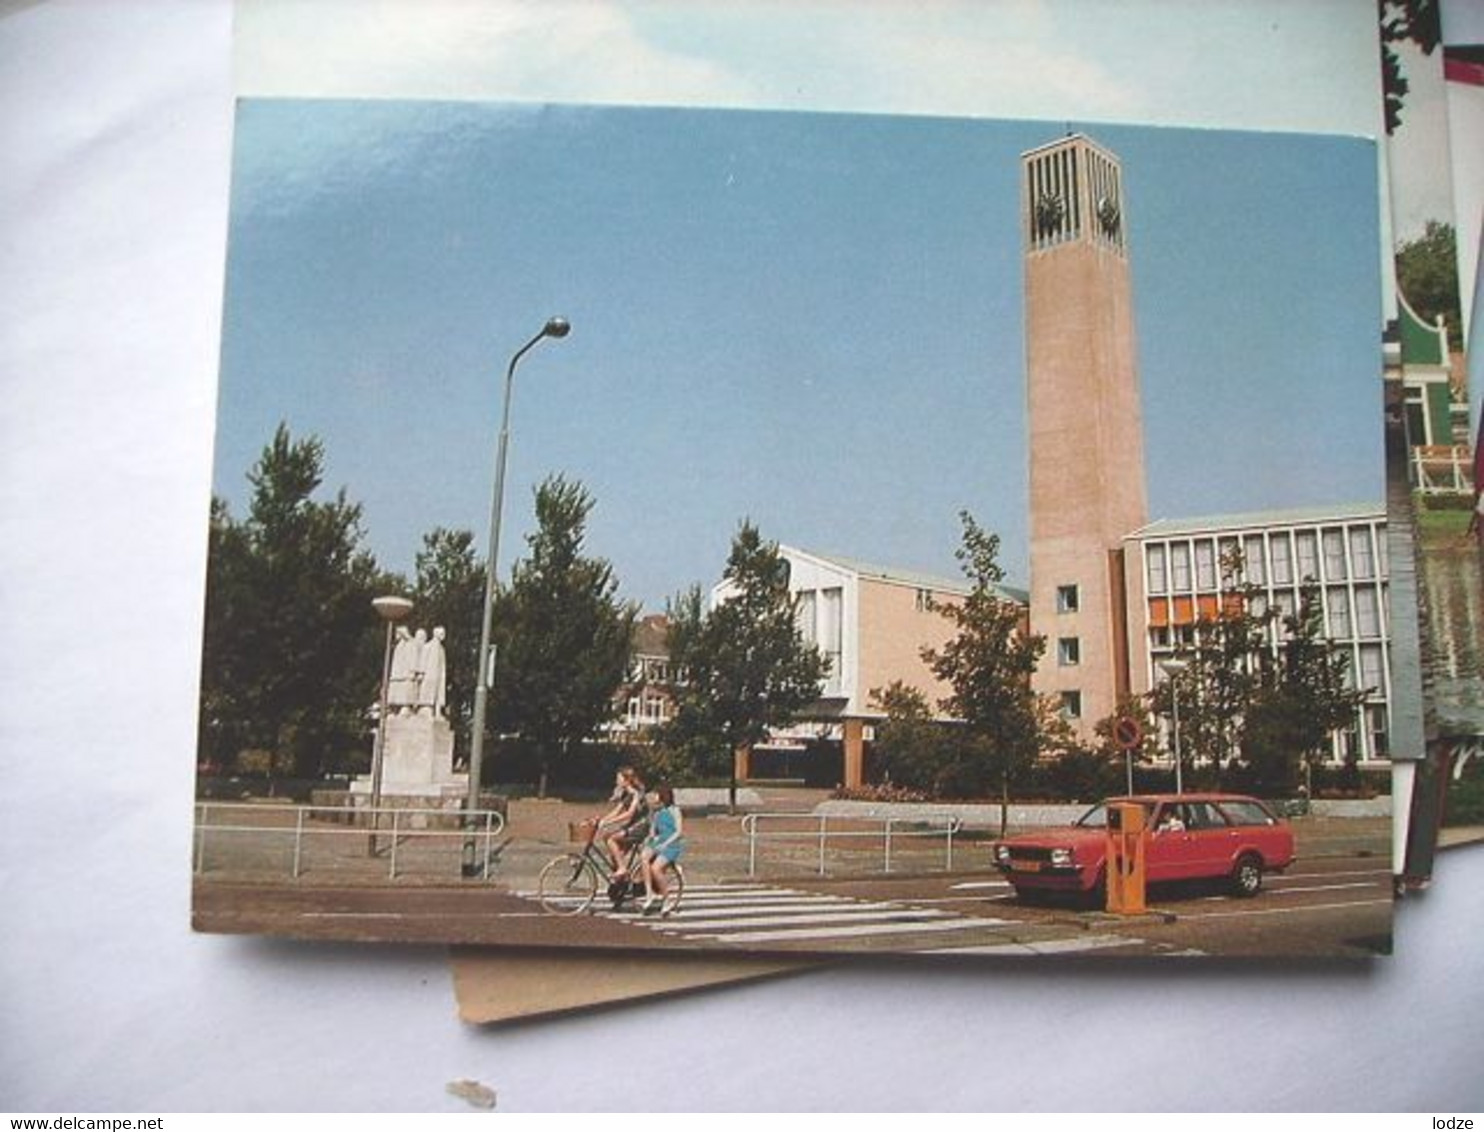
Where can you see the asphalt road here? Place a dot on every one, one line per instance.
(1338, 905)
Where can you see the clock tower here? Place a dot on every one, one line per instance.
(1086, 439)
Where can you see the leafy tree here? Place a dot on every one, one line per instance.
(1304, 696)
(449, 591)
(1254, 706)
(1083, 770)
(1417, 21)
(291, 657)
(1222, 674)
(746, 666)
(988, 665)
(911, 748)
(563, 637)
(227, 660)
(1427, 274)
(1216, 688)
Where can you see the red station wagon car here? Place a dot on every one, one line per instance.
(1190, 837)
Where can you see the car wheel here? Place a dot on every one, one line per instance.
(1247, 876)
(1096, 897)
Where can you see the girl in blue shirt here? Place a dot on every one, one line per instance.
(663, 847)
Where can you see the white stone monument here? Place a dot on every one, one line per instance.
(417, 756)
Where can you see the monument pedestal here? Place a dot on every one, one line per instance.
(416, 767)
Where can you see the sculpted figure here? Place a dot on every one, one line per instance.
(419, 647)
(433, 686)
(401, 687)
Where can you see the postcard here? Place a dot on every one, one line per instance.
(910, 535)
(1433, 468)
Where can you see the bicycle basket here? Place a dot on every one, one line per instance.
(582, 831)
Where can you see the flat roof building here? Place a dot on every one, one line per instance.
(1179, 574)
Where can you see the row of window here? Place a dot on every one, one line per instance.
(1367, 668)
(646, 711)
(1069, 650)
(1330, 554)
(1348, 615)
(820, 616)
(649, 670)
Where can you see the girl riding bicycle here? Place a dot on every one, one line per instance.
(624, 824)
(662, 848)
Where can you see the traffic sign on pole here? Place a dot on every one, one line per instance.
(1127, 732)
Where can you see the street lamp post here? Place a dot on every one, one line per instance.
(391, 609)
(554, 328)
(1172, 668)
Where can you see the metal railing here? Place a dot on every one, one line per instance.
(816, 829)
(1442, 468)
(381, 832)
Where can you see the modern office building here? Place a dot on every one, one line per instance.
(1179, 574)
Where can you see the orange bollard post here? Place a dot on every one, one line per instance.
(1125, 859)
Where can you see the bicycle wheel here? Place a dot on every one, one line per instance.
(568, 885)
(675, 890)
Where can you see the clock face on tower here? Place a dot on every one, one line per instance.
(1049, 213)
(1108, 217)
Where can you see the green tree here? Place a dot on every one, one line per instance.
(449, 591)
(745, 667)
(911, 748)
(563, 636)
(228, 664)
(988, 665)
(1415, 21)
(1216, 689)
(291, 657)
(1427, 274)
(1067, 766)
(1303, 697)
(1221, 676)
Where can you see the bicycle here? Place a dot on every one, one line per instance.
(569, 883)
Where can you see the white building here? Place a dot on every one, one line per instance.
(1176, 579)
(871, 623)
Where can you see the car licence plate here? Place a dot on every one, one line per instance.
(1025, 866)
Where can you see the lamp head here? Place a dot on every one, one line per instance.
(392, 608)
(557, 328)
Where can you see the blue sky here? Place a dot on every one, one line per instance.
(809, 319)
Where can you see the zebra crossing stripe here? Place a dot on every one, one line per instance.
(761, 905)
(802, 909)
(785, 908)
(739, 890)
(845, 916)
(762, 898)
(847, 931)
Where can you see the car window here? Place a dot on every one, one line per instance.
(1095, 818)
(1203, 815)
(1247, 813)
